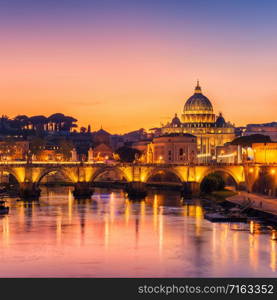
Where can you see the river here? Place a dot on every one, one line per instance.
(110, 236)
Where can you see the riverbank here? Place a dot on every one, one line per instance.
(258, 202)
(219, 196)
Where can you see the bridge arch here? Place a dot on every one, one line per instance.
(109, 169)
(163, 174)
(59, 170)
(18, 174)
(220, 170)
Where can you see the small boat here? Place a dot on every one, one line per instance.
(3, 209)
(219, 217)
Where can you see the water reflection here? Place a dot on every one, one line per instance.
(273, 254)
(113, 236)
(6, 231)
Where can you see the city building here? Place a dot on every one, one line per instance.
(229, 154)
(101, 137)
(142, 145)
(265, 152)
(13, 150)
(269, 129)
(198, 118)
(101, 152)
(171, 148)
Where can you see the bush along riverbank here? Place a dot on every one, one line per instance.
(213, 188)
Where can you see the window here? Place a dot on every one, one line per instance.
(169, 155)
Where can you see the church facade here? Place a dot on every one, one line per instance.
(198, 119)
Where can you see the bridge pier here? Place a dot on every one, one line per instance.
(29, 191)
(82, 190)
(190, 189)
(136, 190)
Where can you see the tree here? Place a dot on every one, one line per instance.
(37, 145)
(65, 148)
(212, 182)
(127, 154)
(208, 185)
(69, 123)
(56, 121)
(220, 182)
(60, 122)
(21, 121)
(38, 122)
(7, 149)
(83, 130)
(6, 124)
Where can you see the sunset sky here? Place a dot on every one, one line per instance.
(127, 65)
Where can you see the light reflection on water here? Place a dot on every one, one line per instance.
(110, 236)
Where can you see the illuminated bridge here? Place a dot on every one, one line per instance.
(82, 174)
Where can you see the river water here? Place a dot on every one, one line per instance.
(109, 236)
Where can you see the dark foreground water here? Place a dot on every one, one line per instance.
(109, 236)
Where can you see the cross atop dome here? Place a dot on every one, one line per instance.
(197, 88)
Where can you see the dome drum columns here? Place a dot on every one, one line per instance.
(29, 191)
(190, 189)
(136, 190)
(82, 190)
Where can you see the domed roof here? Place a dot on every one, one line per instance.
(220, 121)
(101, 131)
(176, 121)
(198, 103)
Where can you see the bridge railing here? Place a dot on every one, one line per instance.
(123, 164)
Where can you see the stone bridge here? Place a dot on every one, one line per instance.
(81, 174)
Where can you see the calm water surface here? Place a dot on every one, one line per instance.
(110, 236)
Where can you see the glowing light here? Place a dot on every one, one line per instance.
(59, 227)
(228, 155)
(274, 235)
(127, 211)
(204, 155)
(106, 232)
(155, 210)
(70, 205)
(142, 210)
(112, 207)
(273, 261)
(161, 231)
(251, 227)
(251, 170)
(273, 171)
(273, 255)
(6, 230)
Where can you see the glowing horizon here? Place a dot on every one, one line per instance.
(127, 65)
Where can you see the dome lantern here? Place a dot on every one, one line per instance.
(197, 89)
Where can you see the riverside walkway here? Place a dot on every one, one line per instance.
(259, 202)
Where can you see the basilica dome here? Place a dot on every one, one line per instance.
(198, 108)
(220, 121)
(176, 121)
